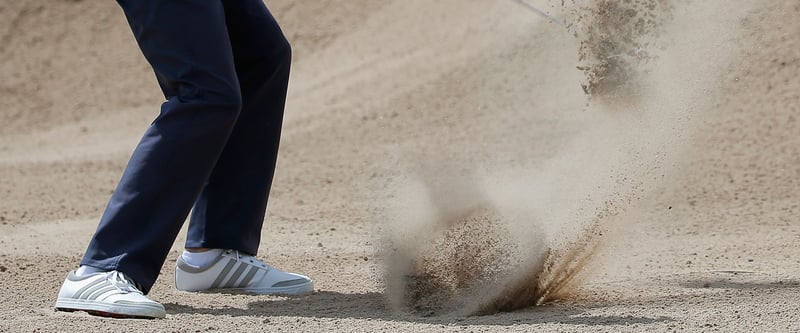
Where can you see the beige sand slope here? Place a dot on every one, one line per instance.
(405, 92)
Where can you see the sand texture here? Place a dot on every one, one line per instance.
(444, 162)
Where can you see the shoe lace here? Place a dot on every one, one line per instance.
(122, 283)
(242, 257)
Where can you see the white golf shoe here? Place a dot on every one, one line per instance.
(108, 294)
(234, 271)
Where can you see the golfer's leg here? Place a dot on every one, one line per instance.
(230, 211)
(186, 42)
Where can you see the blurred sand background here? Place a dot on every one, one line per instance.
(703, 173)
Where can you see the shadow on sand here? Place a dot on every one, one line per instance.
(329, 304)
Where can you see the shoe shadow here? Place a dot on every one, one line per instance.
(372, 305)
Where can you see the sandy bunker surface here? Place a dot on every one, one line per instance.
(452, 142)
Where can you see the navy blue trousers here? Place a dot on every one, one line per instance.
(223, 66)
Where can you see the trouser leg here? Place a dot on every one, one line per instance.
(187, 44)
(230, 211)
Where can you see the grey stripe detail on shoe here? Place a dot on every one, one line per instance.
(236, 275)
(97, 293)
(87, 294)
(97, 283)
(249, 277)
(290, 283)
(224, 273)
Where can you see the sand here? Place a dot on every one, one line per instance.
(402, 117)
